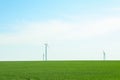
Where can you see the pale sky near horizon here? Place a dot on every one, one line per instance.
(73, 29)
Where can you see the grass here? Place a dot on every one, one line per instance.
(60, 70)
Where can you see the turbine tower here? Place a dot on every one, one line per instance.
(104, 55)
(46, 46)
(43, 57)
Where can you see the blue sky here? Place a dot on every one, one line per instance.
(74, 29)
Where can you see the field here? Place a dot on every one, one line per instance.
(60, 70)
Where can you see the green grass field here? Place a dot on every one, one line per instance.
(60, 70)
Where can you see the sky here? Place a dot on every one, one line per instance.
(73, 29)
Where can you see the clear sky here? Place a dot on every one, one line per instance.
(73, 29)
